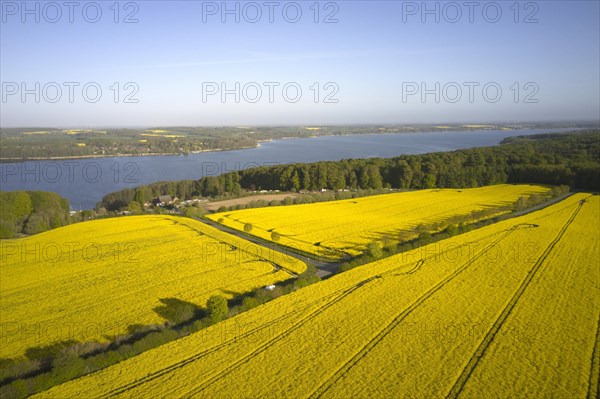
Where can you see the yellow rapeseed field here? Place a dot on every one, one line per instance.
(332, 229)
(508, 310)
(91, 281)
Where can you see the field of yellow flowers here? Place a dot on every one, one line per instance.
(95, 279)
(508, 310)
(332, 229)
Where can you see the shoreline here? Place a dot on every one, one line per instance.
(150, 154)
(258, 144)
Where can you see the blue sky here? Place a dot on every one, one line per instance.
(371, 57)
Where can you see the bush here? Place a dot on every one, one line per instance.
(125, 351)
(7, 230)
(301, 283)
(263, 295)
(18, 389)
(276, 292)
(248, 227)
(305, 281)
(374, 250)
(521, 204)
(424, 238)
(36, 224)
(134, 207)
(197, 326)
(169, 335)
(452, 230)
(193, 211)
(43, 382)
(18, 368)
(67, 366)
(217, 308)
(249, 303)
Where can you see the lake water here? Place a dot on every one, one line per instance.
(85, 181)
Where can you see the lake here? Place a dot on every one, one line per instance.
(85, 181)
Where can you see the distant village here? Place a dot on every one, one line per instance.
(165, 201)
(197, 206)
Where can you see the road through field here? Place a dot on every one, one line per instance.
(339, 228)
(327, 267)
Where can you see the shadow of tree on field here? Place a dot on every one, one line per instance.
(37, 359)
(236, 298)
(177, 311)
(135, 329)
(45, 366)
(47, 352)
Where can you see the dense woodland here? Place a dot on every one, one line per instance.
(31, 212)
(571, 159)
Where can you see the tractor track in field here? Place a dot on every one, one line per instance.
(341, 371)
(312, 315)
(197, 356)
(150, 377)
(412, 270)
(233, 247)
(325, 267)
(344, 292)
(265, 346)
(461, 381)
(594, 381)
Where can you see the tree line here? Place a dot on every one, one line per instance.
(571, 159)
(31, 212)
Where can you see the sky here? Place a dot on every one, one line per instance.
(197, 63)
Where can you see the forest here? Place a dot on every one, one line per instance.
(31, 212)
(571, 159)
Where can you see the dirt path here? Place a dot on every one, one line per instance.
(324, 268)
(541, 206)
